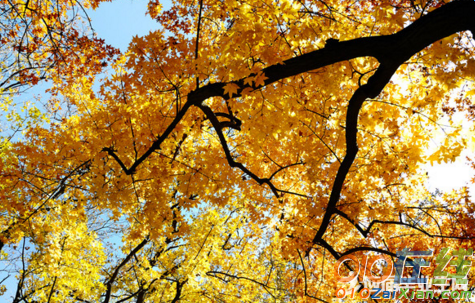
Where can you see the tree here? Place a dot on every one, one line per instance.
(43, 37)
(238, 152)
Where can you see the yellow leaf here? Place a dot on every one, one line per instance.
(231, 89)
(259, 80)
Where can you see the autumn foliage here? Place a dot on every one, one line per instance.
(236, 153)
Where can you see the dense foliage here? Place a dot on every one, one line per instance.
(236, 153)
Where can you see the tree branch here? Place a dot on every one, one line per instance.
(391, 51)
(122, 264)
(366, 231)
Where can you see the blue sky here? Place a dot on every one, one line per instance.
(118, 21)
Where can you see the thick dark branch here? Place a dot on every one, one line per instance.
(329, 248)
(22, 279)
(391, 51)
(155, 146)
(233, 163)
(113, 154)
(52, 289)
(179, 287)
(117, 270)
(130, 296)
(449, 19)
(233, 122)
(370, 90)
(391, 54)
(216, 124)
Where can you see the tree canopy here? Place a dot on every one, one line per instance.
(235, 154)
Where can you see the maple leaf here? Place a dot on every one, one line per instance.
(231, 89)
(259, 79)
